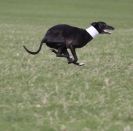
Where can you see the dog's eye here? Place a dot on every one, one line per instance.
(103, 25)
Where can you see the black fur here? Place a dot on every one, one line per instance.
(62, 37)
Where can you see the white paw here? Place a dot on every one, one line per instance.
(81, 64)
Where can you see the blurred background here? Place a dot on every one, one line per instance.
(44, 93)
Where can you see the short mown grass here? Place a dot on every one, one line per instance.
(43, 92)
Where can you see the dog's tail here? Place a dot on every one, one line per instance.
(36, 52)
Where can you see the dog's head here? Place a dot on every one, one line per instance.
(102, 27)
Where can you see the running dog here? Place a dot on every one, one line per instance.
(64, 39)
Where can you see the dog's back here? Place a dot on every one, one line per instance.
(60, 33)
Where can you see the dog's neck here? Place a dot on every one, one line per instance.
(92, 31)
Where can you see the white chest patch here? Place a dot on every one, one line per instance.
(92, 31)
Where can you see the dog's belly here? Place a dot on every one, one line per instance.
(79, 45)
(54, 45)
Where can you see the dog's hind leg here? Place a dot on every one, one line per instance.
(63, 53)
(54, 51)
(58, 52)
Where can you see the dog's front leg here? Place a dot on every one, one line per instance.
(73, 51)
(75, 58)
(68, 56)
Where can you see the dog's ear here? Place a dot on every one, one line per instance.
(93, 23)
(97, 25)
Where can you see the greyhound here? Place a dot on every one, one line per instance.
(63, 39)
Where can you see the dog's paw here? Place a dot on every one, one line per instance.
(81, 64)
(76, 63)
(53, 50)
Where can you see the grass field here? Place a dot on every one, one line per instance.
(44, 93)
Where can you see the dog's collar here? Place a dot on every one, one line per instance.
(92, 31)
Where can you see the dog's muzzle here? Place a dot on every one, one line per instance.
(108, 30)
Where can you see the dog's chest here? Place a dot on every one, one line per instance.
(82, 40)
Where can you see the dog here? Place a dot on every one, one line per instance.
(63, 39)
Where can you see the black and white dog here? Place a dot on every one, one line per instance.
(64, 39)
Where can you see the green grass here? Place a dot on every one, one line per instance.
(44, 93)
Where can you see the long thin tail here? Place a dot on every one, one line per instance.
(32, 52)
